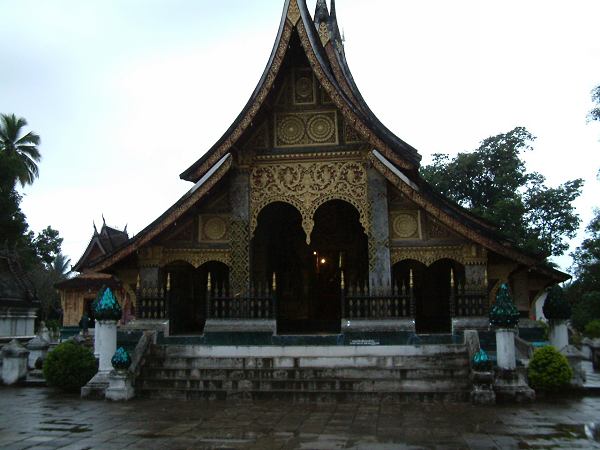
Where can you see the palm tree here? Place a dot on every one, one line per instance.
(19, 150)
(60, 266)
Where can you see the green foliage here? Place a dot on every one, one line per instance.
(544, 326)
(556, 306)
(595, 113)
(586, 310)
(493, 183)
(19, 149)
(592, 329)
(47, 245)
(549, 370)
(586, 261)
(69, 366)
(503, 313)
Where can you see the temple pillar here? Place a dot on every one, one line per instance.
(379, 236)
(239, 196)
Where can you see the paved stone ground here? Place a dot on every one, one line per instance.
(39, 418)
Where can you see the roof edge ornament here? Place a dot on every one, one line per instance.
(293, 13)
(322, 20)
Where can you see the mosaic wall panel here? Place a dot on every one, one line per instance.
(239, 275)
(306, 128)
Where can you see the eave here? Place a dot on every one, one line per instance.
(200, 190)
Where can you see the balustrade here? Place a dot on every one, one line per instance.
(363, 302)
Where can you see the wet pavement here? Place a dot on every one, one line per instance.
(39, 418)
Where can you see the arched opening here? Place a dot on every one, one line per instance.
(187, 295)
(434, 289)
(308, 277)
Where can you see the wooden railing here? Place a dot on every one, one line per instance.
(153, 303)
(470, 301)
(260, 303)
(363, 302)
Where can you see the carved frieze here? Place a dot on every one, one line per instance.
(307, 185)
(306, 128)
(293, 12)
(195, 257)
(463, 254)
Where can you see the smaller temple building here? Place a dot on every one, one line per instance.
(77, 294)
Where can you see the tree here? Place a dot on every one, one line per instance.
(586, 260)
(493, 183)
(19, 150)
(595, 113)
(60, 266)
(47, 245)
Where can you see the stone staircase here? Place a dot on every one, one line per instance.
(307, 374)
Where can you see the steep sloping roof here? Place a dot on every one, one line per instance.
(460, 220)
(101, 244)
(297, 19)
(200, 190)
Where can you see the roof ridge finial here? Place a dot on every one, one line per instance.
(95, 229)
(321, 12)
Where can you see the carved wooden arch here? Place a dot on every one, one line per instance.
(307, 186)
(197, 259)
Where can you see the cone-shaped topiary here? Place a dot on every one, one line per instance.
(108, 307)
(556, 307)
(549, 370)
(121, 359)
(481, 361)
(504, 314)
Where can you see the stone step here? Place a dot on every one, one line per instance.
(390, 362)
(359, 385)
(375, 398)
(168, 373)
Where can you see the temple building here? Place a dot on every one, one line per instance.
(309, 216)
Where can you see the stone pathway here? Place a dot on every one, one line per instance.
(39, 418)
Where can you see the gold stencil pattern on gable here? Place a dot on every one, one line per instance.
(307, 186)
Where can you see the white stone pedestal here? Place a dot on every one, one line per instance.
(96, 341)
(119, 387)
(559, 335)
(14, 362)
(38, 349)
(107, 333)
(505, 349)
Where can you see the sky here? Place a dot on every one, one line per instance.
(127, 94)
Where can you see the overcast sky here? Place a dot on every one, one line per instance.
(126, 94)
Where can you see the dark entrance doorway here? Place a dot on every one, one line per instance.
(188, 294)
(308, 276)
(433, 289)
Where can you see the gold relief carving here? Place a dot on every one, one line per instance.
(324, 33)
(195, 257)
(325, 98)
(213, 228)
(436, 230)
(405, 225)
(310, 128)
(260, 139)
(306, 186)
(304, 87)
(429, 255)
(351, 136)
(293, 12)
(150, 256)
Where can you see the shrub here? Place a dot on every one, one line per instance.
(586, 310)
(69, 366)
(592, 329)
(549, 370)
(556, 306)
